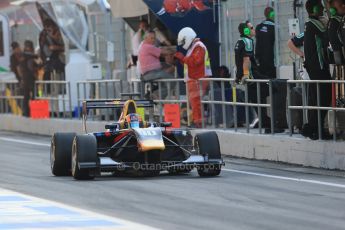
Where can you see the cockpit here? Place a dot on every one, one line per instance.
(133, 120)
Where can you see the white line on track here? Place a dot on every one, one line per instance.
(227, 170)
(23, 219)
(24, 142)
(286, 178)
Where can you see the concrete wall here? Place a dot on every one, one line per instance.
(281, 148)
(46, 126)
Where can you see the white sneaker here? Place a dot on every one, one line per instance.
(254, 123)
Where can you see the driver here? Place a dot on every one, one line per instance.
(133, 120)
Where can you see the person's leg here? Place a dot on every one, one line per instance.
(311, 128)
(325, 100)
(194, 99)
(32, 90)
(217, 96)
(26, 99)
(253, 98)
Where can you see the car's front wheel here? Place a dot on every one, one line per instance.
(207, 144)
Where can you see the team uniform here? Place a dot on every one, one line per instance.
(197, 65)
(317, 66)
(342, 33)
(245, 48)
(335, 56)
(264, 52)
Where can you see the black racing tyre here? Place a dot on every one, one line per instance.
(84, 149)
(60, 153)
(208, 144)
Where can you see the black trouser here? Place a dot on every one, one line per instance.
(268, 70)
(325, 99)
(264, 93)
(28, 95)
(253, 98)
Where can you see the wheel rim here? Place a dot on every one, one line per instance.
(74, 158)
(52, 154)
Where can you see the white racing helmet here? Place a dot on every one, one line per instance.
(185, 37)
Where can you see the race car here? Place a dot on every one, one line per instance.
(133, 145)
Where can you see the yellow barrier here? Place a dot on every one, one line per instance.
(13, 103)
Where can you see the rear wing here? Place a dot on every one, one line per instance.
(113, 104)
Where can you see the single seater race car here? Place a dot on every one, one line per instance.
(133, 145)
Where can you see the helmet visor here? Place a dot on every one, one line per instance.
(134, 124)
(181, 42)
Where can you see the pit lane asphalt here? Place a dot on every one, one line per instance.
(250, 195)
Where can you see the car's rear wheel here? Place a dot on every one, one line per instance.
(208, 144)
(84, 150)
(60, 153)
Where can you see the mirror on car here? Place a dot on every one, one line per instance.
(112, 126)
(165, 124)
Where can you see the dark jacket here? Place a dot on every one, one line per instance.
(315, 49)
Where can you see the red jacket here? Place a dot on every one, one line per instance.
(195, 60)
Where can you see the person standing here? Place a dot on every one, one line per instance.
(28, 68)
(265, 37)
(336, 11)
(340, 8)
(52, 50)
(15, 59)
(246, 68)
(137, 39)
(316, 64)
(197, 65)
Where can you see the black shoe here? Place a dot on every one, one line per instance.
(325, 136)
(314, 136)
(306, 130)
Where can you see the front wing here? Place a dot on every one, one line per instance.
(108, 164)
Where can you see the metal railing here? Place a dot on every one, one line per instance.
(175, 91)
(11, 97)
(58, 93)
(305, 107)
(235, 103)
(169, 91)
(103, 89)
